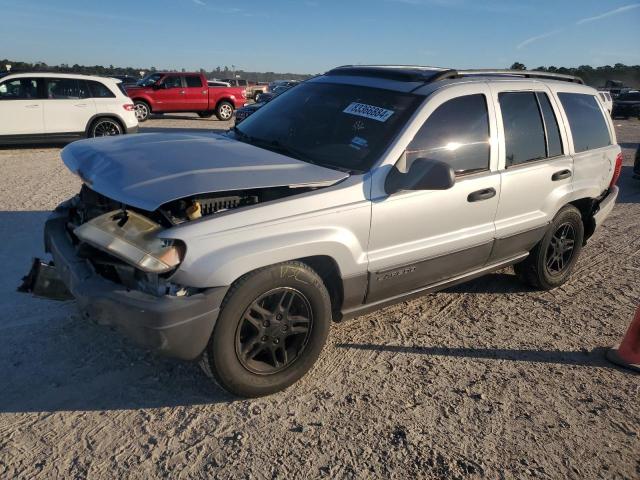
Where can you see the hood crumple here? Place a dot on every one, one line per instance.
(149, 170)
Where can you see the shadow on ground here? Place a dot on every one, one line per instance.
(629, 186)
(594, 358)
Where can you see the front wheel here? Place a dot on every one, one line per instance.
(271, 329)
(105, 127)
(224, 111)
(551, 261)
(142, 110)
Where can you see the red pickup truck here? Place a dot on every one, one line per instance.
(164, 92)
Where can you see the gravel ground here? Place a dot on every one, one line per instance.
(486, 380)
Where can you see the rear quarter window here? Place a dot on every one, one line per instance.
(586, 121)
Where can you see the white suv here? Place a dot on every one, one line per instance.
(38, 107)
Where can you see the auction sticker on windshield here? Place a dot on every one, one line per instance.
(368, 111)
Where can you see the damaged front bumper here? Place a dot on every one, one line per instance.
(177, 326)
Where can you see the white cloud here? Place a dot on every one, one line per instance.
(608, 14)
(530, 40)
(199, 2)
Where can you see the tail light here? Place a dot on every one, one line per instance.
(128, 107)
(616, 170)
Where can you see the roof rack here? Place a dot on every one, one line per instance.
(518, 73)
(414, 73)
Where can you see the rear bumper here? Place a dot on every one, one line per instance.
(606, 205)
(175, 326)
(133, 129)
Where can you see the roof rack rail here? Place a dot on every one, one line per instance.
(518, 73)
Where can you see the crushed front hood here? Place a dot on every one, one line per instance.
(149, 170)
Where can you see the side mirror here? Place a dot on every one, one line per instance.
(424, 174)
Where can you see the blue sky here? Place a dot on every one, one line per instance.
(310, 36)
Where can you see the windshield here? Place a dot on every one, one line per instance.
(149, 80)
(345, 127)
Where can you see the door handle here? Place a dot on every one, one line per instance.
(35, 105)
(181, 92)
(561, 175)
(484, 194)
(80, 105)
(204, 92)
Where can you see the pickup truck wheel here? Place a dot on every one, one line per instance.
(271, 329)
(142, 110)
(224, 111)
(551, 261)
(205, 114)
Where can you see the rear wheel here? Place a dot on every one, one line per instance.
(142, 110)
(224, 111)
(551, 261)
(105, 127)
(271, 329)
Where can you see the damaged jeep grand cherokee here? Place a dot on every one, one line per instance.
(359, 188)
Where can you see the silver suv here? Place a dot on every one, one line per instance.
(356, 189)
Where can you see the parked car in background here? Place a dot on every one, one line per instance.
(277, 83)
(627, 105)
(126, 79)
(359, 188)
(262, 99)
(606, 99)
(37, 107)
(164, 92)
(252, 89)
(636, 165)
(217, 83)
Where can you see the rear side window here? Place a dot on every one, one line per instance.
(193, 81)
(63, 89)
(523, 127)
(99, 90)
(457, 133)
(19, 89)
(588, 126)
(554, 144)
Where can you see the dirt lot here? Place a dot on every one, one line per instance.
(487, 380)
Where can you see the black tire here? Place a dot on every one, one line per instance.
(142, 109)
(224, 111)
(258, 349)
(105, 127)
(549, 264)
(205, 114)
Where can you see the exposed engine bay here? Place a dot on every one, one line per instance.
(124, 244)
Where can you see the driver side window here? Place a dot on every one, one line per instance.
(457, 133)
(172, 81)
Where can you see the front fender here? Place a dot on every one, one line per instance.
(220, 261)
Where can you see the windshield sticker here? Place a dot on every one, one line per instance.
(358, 143)
(368, 111)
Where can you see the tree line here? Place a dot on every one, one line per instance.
(218, 72)
(594, 76)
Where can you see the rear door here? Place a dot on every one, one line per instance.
(21, 107)
(68, 107)
(535, 164)
(197, 94)
(592, 142)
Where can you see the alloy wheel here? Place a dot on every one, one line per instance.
(141, 110)
(560, 250)
(226, 112)
(274, 331)
(106, 128)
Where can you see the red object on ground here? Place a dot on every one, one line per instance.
(628, 352)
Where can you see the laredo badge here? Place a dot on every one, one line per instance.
(368, 111)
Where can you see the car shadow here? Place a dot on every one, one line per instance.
(52, 359)
(193, 118)
(502, 281)
(593, 358)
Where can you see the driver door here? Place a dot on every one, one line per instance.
(171, 94)
(420, 238)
